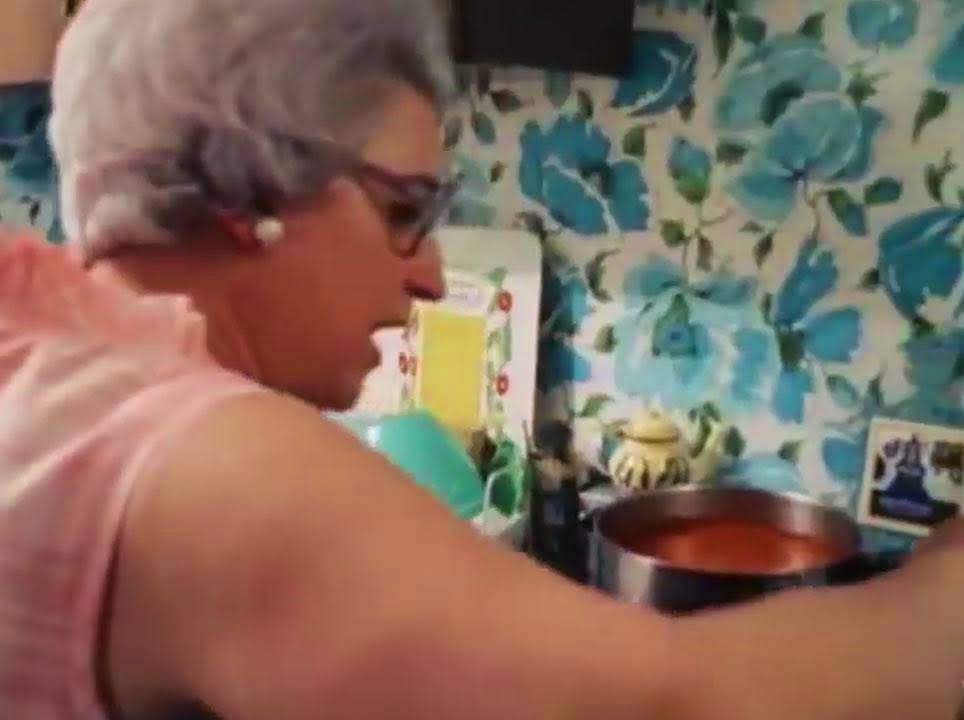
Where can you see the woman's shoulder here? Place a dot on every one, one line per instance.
(45, 290)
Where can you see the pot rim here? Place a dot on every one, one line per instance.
(787, 499)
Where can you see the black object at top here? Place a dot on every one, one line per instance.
(574, 35)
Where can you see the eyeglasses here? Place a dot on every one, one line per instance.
(417, 204)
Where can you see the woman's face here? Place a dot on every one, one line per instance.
(335, 279)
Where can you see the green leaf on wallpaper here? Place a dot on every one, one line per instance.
(558, 87)
(594, 405)
(676, 315)
(605, 340)
(861, 88)
(506, 101)
(596, 275)
(790, 451)
(921, 327)
(483, 80)
(497, 172)
(766, 306)
(960, 196)
(812, 27)
(704, 253)
(453, 132)
(792, 347)
(691, 168)
(694, 188)
(851, 214)
(703, 436)
(751, 29)
(762, 249)
(722, 38)
(686, 107)
(778, 100)
(711, 411)
(586, 106)
(507, 347)
(730, 153)
(843, 392)
(674, 234)
(933, 104)
(483, 127)
(934, 179)
(533, 223)
(870, 280)
(935, 175)
(634, 141)
(883, 191)
(875, 392)
(733, 443)
(752, 227)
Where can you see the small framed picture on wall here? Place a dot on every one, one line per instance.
(913, 476)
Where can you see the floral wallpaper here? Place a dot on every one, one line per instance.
(763, 224)
(28, 175)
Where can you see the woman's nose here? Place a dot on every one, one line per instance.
(424, 279)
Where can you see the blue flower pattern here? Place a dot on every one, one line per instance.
(806, 339)
(948, 62)
(28, 173)
(664, 70)
(921, 258)
(569, 170)
(883, 23)
(673, 343)
(788, 97)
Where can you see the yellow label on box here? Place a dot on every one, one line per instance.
(452, 357)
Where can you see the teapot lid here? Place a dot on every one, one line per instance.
(652, 427)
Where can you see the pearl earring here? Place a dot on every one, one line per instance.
(269, 231)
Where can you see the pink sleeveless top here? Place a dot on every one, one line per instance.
(93, 379)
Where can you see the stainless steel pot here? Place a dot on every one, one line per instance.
(637, 578)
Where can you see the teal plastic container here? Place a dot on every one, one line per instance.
(420, 446)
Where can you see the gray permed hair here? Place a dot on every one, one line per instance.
(165, 109)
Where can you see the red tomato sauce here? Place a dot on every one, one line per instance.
(735, 546)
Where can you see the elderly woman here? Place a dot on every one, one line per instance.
(249, 187)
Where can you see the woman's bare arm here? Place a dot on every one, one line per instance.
(275, 569)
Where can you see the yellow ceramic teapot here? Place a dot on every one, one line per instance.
(653, 454)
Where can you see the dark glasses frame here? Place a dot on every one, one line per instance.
(428, 197)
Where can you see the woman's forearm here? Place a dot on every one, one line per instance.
(864, 652)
